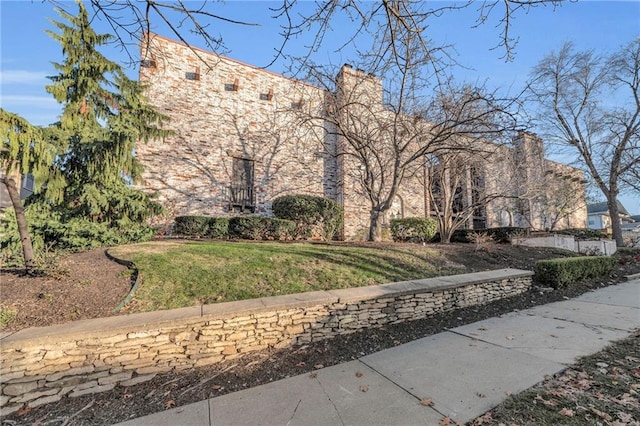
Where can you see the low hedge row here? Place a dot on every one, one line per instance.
(240, 227)
(570, 270)
(413, 229)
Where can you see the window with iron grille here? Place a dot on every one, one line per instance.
(242, 180)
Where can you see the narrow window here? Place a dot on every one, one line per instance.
(194, 76)
(242, 181)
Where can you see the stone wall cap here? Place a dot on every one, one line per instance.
(267, 304)
(99, 327)
(110, 326)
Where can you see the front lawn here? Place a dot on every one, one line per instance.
(178, 274)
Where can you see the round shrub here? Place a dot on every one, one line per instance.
(311, 214)
(413, 229)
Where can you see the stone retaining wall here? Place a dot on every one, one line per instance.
(42, 365)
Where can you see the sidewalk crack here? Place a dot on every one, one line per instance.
(332, 403)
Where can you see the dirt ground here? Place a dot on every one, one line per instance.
(175, 389)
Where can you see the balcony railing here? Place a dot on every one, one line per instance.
(242, 197)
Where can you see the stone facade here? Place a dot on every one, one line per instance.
(239, 142)
(42, 365)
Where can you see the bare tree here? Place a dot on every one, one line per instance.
(129, 19)
(384, 138)
(575, 91)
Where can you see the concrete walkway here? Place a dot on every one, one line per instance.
(464, 371)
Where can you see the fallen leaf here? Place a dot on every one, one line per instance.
(480, 395)
(170, 403)
(509, 337)
(601, 414)
(318, 366)
(445, 421)
(482, 329)
(313, 375)
(427, 402)
(216, 387)
(300, 364)
(364, 388)
(359, 374)
(24, 410)
(567, 412)
(127, 396)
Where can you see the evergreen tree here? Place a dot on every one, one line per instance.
(24, 149)
(104, 115)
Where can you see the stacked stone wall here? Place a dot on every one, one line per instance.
(42, 365)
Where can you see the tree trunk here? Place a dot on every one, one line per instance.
(446, 229)
(614, 214)
(21, 220)
(375, 226)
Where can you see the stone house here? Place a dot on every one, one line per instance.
(239, 142)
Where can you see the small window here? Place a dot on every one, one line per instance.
(231, 87)
(148, 63)
(266, 96)
(194, 76)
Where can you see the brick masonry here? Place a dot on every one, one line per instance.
(222, 110)
(42, 365)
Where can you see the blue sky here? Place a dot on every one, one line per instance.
(27, 52)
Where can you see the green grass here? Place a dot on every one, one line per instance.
(178, 274)
(6, 316)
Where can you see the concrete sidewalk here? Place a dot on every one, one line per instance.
(464, 371)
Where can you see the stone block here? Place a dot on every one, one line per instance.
(138, 379)
(91, 390)
(9, 409)
(152, 369)
(44, 400)
(34, 395)
(115, 378)
(19, 388)
(71, 372)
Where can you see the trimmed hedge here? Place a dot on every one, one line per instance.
(193, 226)
(413, 229)
(569, 270)
(240, 227)
(310, 213)
(218, 228)
(202, 226)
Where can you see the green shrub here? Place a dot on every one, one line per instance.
(310, 214)
(570, 270)
(246, 227)
(192, 226)
(50, 232)
(413, 229)
(278, 229)
(218, 228)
